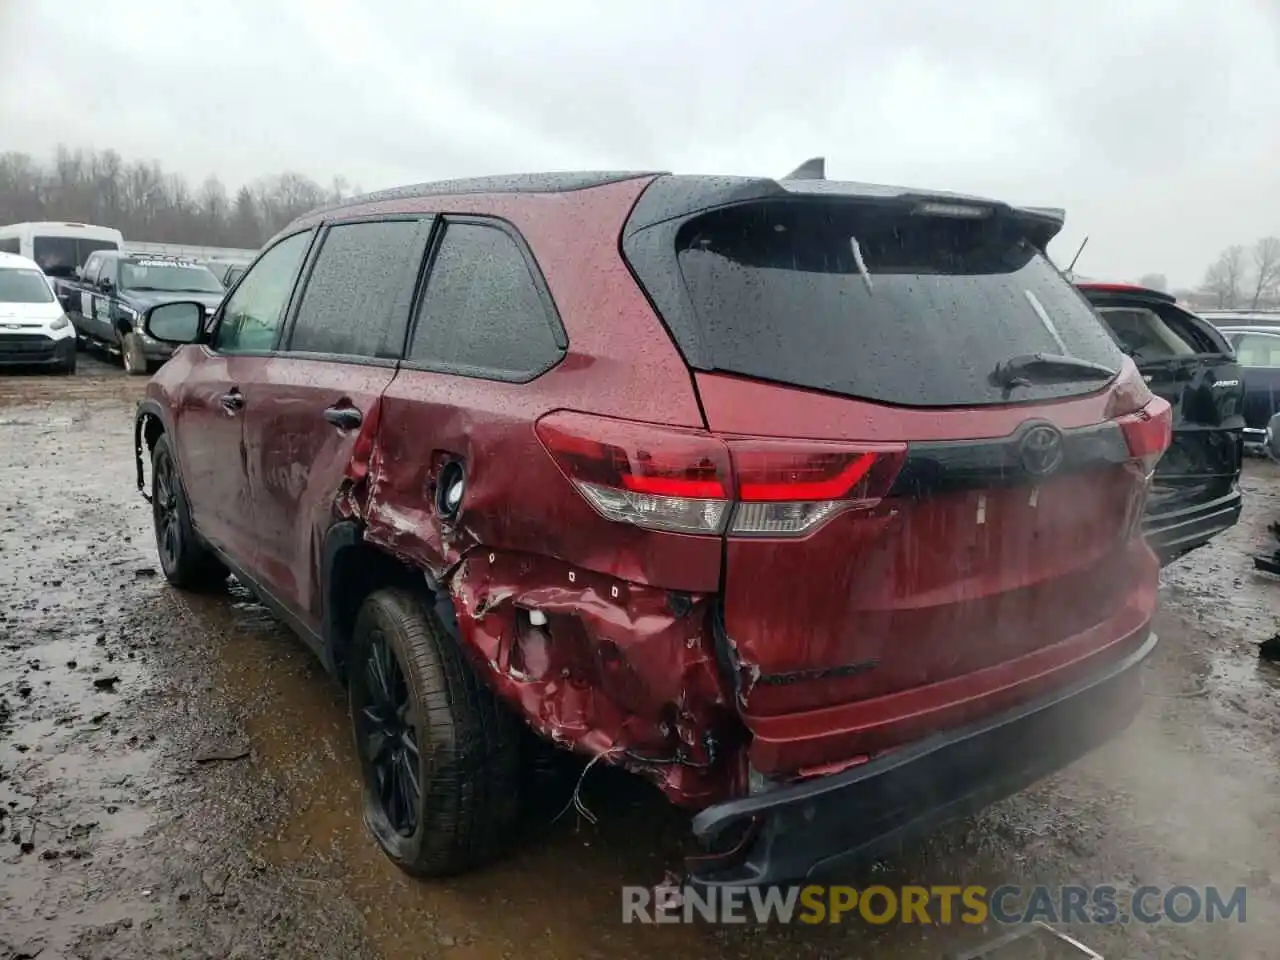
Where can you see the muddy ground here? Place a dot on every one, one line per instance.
(176, 778)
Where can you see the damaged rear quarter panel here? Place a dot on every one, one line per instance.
(626, 671)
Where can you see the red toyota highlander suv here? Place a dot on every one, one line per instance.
(818, 504)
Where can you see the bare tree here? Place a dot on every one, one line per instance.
(1154, 281)
(1266, 265)
(146, 203)
(1225, 277)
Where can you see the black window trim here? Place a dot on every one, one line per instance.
(551, 313)
(426, 221)
(216, 322)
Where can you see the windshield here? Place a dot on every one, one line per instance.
(869, 300)
(59, 256)
(24, 286)
(169, 276)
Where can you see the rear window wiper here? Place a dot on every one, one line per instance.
(1028, 368)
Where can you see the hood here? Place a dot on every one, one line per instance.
(19, 316)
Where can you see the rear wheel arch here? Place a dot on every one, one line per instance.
(351, 569)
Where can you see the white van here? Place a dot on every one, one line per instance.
(59, 248)
(33, 329)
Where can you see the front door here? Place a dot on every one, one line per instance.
(210, 410)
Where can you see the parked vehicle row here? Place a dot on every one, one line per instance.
(783, 494)
(107, 295)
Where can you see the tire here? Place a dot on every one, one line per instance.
(132, 355)
(186, 562)
(448, 729)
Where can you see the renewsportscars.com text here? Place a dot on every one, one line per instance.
(942, 904)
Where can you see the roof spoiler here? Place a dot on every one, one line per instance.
(1042, 223)
(814, 168)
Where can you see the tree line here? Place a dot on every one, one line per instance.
(147, 204)
(1245, 277)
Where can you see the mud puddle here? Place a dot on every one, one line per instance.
(205, 803)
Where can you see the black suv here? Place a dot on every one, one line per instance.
(1195, 493)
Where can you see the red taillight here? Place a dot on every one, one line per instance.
(1148, 432)
(664, 478)
(788, 488)
(670, 478)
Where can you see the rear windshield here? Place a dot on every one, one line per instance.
(59, 256)
(24, 286)
(871, 301)
(168, 276)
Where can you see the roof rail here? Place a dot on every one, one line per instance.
(812, 169)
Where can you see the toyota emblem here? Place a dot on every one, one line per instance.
(1041, 451)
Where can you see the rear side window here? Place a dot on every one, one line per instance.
(24, 286)
(91, 267)
(482, 313)
(1257, 350)
(871, 301)
(10, 245)
(1144, 335)
(360, 278)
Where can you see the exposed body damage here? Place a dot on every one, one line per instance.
(593, 663)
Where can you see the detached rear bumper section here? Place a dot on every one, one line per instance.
(1173, 533)
(834, 823)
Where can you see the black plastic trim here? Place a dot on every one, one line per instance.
(950, 465)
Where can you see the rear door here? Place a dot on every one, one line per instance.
(310, 402)
(917, 508)
(1188, 363)
(1258, 354)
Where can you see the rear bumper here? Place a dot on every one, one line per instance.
(1174, 532)
(36, 351)
(831, 824)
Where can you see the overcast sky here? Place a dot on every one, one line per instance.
(1156, 123)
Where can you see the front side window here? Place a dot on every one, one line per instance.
(24, 286)
(167, 276)
(482, 313)
(252, 315)
(360, 278)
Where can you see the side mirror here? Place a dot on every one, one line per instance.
(105, 284)
(181, 322)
